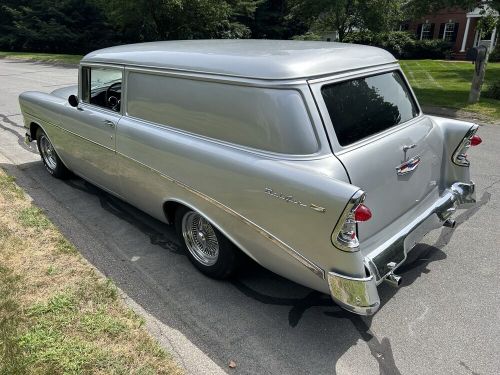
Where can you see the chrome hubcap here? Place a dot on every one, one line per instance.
(48, 153)
(200, 238)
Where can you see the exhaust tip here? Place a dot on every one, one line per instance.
(394, 280)
(450, 223)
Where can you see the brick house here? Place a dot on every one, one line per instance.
(456, 25)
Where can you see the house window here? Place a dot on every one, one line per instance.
(449, 31)
(426, 31)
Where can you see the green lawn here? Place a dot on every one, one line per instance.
(447, 84)
(46, 57)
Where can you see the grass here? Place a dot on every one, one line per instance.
(57, 315)
(45, 57)
(447, 84)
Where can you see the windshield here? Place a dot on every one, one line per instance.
(365, 106)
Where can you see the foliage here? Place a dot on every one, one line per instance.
(79, 26)
(396, 42)
(402, 45)
(487, 22)
(56, 26)
(495, 55)
(493, 90)
(271, 21)
(430, 49)
(346, 16)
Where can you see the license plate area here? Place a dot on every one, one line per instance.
(390, 259)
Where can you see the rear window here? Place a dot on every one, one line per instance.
(365, 106)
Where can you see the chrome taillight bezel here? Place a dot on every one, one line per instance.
(460, 155)
(347, 219)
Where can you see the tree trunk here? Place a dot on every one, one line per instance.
(477, 80)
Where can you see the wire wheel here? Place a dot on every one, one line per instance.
(48, 153)
(200, 238)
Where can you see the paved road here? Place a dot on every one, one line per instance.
(443, 320)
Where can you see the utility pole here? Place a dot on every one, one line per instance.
(480, 54)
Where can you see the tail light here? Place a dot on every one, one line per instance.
(345, 234)
(470, 139)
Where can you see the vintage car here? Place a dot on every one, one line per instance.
(313, 159)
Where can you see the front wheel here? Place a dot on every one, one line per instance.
(207, 248)
(50, 159)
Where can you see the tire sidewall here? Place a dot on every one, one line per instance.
(226, 263)
(60, 170)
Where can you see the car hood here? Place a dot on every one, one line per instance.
(65, 92)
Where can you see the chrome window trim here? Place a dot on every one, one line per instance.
(218, 78)
(232, 77)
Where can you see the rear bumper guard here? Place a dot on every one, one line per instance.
(359, 295)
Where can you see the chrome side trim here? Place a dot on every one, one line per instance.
(311, 266)
(358, 295)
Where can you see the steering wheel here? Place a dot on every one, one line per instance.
(112, 100)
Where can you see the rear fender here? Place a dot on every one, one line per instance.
(453, 133)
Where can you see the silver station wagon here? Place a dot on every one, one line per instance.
(313, 159)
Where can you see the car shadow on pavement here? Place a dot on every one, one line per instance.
(259, 319)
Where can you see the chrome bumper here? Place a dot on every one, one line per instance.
(359, 295)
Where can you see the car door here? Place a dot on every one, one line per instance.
(91, 126)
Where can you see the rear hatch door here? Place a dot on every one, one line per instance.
(388, 148)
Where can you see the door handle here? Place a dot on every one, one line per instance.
(110, 123)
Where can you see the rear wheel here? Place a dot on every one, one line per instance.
(207, 248)
(50, 159)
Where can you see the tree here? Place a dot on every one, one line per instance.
(271, 21)
(346, 16)
(147, 20)
(53, 26)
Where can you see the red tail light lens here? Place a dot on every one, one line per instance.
(475, 140)
(362, 213)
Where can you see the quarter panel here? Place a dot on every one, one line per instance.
(237, 179)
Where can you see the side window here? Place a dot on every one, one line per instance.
(102, 87)
(261, 118)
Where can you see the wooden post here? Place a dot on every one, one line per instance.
(478, 77)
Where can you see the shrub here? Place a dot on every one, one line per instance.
(493, 90)
(430, 49)
(402, 44)
(495, 55)
(396, 42)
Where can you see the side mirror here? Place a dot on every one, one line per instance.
(73, 100)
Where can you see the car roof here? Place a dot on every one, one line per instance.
(260, 59)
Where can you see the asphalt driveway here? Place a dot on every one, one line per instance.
(443, 320)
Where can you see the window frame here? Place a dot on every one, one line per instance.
(424, 31)
(451, 32)
(82, 104)
(317, 84)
